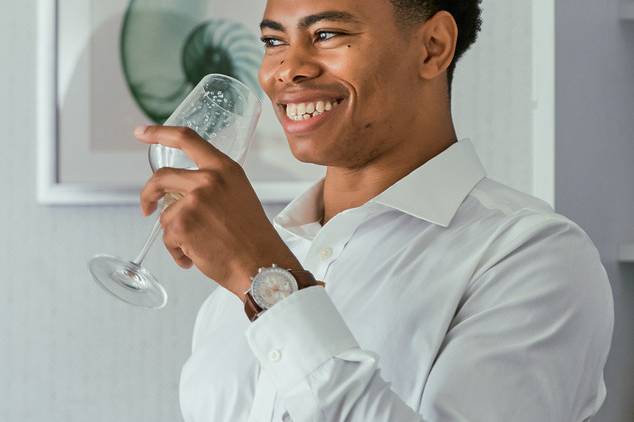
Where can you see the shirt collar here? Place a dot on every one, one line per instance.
(302, 215)
(432, 192)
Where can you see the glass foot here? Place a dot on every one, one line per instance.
(127, 281)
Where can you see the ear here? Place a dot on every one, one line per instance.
(438, 37)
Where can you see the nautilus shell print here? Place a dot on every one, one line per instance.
(168, 46)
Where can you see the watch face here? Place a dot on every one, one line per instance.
(272, 285)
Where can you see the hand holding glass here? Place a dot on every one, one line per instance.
(224, 112)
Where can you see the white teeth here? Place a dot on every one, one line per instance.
(303, 111)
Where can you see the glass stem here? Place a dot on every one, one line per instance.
(149, 242)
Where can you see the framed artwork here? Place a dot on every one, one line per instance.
(107, 67)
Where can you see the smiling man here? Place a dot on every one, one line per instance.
(405, 285)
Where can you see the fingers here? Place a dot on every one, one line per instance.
(197, 149)
(167, 180)
(170, 238)
(177, 253)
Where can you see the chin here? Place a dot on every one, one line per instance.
(308, 151)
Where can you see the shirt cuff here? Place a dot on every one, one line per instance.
(297, 335)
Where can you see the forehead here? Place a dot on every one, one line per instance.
(291, 11)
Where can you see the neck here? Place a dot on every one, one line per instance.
(346, 188)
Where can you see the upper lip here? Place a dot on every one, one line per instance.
(306, 97)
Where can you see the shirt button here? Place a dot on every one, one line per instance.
(275, 355)
(325, 253)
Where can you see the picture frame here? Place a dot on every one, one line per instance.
(71, 173)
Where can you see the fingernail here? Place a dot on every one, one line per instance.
(140, 130)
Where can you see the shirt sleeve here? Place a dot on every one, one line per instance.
(317, 366)
(528, 343)
(531, 337)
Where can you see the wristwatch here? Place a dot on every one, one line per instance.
(272, 284)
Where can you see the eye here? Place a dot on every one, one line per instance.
(326, 35)
(270, 42)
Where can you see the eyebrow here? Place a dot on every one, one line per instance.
(307, 21)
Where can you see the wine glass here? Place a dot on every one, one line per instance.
(224, 112)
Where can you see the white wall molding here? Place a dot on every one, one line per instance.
(543, 52)
(626, 10)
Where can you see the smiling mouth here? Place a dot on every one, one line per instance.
(305, 111)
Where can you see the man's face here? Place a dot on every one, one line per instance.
(347, 59)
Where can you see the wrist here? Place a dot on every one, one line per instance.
(249, 268)
(272, 284)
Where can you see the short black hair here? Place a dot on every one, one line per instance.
(466, 13)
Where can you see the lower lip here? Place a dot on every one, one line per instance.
(308, 125)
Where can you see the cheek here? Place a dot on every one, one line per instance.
(369, 78)
(266, 76)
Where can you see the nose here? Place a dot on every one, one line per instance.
(296, 66)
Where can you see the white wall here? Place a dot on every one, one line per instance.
(69, 352)
(492, 93)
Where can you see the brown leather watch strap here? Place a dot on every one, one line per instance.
(251, 308)
(304, 279)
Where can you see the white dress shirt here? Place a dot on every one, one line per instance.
(449, 297)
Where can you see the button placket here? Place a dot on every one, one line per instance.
(318, 256)
(330, 240)
(325, 253)
(275, 355)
